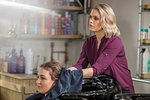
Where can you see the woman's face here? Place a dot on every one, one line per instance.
(95, 23)
(44, 81)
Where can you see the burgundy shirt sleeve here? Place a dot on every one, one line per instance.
(107, 56)
(83, 60)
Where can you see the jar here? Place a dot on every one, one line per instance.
(144, 33)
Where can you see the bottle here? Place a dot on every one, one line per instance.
(69, 24)
(148, 66)
(146, 58)
(53, 29)
(24, 25)
(72, 3)
(59, 24)
(33, 24)
(144, 33)
(49, 24)
(42, 24)
(35, 69)
(21, 62)
(12, 62)
(63, 26)
(29, 62)
(66, 23)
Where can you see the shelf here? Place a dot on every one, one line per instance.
(29, 36)
(5, 36)
(145, 76)
(145, 41)
(146, 7)
(65, 8)
(52, 36)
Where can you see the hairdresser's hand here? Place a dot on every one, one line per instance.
(72, 68)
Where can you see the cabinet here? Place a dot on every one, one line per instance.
(143, 7)
(16, 86)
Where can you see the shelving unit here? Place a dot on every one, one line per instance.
(141, 42)
(42, 10)
(40, 36)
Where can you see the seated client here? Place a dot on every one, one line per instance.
(53, 80)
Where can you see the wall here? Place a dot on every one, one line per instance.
(127, 20)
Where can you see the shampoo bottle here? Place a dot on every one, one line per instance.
(12, 62)
(21, 62)
(146, 58)
(29, 62)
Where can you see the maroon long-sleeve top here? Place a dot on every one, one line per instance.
(109, 59)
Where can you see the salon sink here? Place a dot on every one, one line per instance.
(102, 88)
(98, 88)
(137, 96)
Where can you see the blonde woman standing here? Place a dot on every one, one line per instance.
(104, 51)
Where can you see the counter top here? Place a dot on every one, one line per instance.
(19, 76)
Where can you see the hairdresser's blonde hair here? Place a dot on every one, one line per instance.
(108, 20)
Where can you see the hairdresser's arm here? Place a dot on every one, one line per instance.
(87, 73)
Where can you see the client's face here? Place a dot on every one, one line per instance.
(44, 81)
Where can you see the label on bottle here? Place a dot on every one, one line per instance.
(144, 34)
(148, 65)
(21, 66)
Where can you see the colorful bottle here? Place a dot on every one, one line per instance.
(21, 62)
(33, 24)
(49, 24)
(69, 24)
(12, 62)
(63, 26)
(53, 29)
(72, 3)
(59, 24)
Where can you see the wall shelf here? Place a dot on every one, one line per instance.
(145, 41)
(52, 36)
(145, 76)
(146, 7)
(65, 8)
(30, 36)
